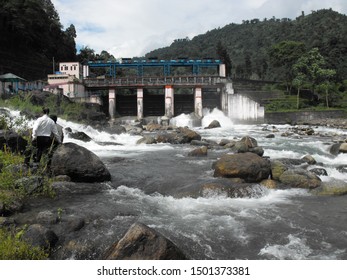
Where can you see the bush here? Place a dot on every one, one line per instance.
(13, 248)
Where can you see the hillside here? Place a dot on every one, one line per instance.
(248, 43)
(31, 36)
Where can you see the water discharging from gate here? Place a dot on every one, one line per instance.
(243, 109)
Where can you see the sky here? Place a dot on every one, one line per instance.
(130, 28)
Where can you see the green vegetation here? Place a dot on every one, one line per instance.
(249, 44)
(31, 36)
(13, 248)
(58, 105)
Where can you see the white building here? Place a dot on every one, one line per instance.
(68, 80)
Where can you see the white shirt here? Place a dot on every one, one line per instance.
(45, 126)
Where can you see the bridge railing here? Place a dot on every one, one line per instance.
(155, 81)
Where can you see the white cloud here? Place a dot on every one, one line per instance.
(133, 27)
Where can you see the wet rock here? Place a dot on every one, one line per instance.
(300, 178)
(332, 187)
(199, 143)
(319, 171)
(343, 148)
(213, 124)
(79, 164)
(309, 159)
(80, 136)
(277, 169)
(38, 235)
(143, 243)
(182, 135)
(248, 166)
(153, 127)
(186, 135)
(247, 144)
(257, 150)
(115, 129)
(146, 140)
(224, 142)
(230, 189)
(47, 217)
(213, 189)
(200, 152)
(270, 184)
(270, 136)
(335, 149)
(342, 168)
(73, 223)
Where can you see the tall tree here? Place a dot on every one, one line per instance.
(311, 68)
(283, 56)
(223, 55)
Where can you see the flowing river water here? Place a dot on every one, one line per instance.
(155, 184)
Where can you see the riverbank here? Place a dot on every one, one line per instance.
(332, 118)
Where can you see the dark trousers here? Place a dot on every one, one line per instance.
(43, 145)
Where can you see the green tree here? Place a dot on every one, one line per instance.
(223, 55)
(86, 54)
(298, 82)
(283, 56)
(326, 84)
(311, 66)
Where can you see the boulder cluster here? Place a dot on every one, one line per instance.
(242, 171)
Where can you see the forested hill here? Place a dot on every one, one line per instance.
(248, 44)
(31, 35)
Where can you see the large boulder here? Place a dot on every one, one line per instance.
(247, 144)
(213, 124)
(38, 235)
(80, 164)
(143, 243)
(182, 135)
(79, 135)
(300, 178)
(186, 135)
(12, 140)
(199, 152)
(331, 188)
(231, 189)
(248, 166)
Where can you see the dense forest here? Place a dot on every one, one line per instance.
(248, 45)
(31, 37)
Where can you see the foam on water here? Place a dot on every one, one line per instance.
(215, 114)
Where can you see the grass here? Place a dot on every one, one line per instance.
(58, 106)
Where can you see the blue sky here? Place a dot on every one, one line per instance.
(128, 28)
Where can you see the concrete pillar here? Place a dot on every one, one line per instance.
(198, 102)
(140, 103)
(112, 102)
(222, 71)
(85, 71)
(169, 101)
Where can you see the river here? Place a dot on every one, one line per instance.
(155, 184)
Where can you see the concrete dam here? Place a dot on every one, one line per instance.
(171, 93)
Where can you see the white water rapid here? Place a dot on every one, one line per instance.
(156, 184)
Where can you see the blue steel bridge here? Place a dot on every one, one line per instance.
(140, 65)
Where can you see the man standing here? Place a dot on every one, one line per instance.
(43, 128)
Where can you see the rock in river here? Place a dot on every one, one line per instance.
(143, 243)
(80, 164)
(248, 166)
